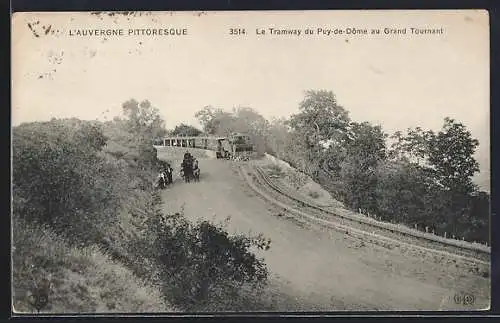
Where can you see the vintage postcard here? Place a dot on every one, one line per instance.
(263, 161)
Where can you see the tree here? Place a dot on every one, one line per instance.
(448, 153)
(412, 147)
(404, 195)
(254, 124)
(278, 139)
(254, 121)
(144, 119)
(186, 130)
(144, 123)
(320, 119)
(209, 117)
(364, 149)
(451, 153)
(367, 144)
(477, 220)
(299, 155)
(447, 162)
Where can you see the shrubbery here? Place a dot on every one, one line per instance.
(61, 179)
(91, 184)
(202, 266)
(75, 279)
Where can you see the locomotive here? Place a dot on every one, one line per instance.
(240, 142)
(238, 145)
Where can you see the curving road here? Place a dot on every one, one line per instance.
(317, 269)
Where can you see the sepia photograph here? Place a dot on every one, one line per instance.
(250, 161)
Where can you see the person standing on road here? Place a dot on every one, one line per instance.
(169, 170)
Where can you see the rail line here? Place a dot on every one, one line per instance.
(406, 230)
(365, 229)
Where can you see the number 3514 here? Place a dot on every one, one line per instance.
(237, 31)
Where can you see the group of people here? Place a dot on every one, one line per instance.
(165, 177)
(189, 171)
(189, 168)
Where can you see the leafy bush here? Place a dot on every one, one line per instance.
(401, 194)
(202, 266)
(60, 178)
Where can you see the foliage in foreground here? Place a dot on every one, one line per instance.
(202, 266)
(78, 279)
(90, 185)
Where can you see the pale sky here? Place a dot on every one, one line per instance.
(398, 81)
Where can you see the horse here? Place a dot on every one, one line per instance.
(196, 171)
(187, 170)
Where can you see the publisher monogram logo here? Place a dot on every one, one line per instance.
(464, 299)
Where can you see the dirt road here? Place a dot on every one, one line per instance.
(320, 269)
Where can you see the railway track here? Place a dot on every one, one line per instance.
(364, 228)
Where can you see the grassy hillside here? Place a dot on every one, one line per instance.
(82, 279)
(88, 222)
(88, 243)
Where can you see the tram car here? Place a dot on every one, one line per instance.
(241, 145)
(240, 142)
(235, 146)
